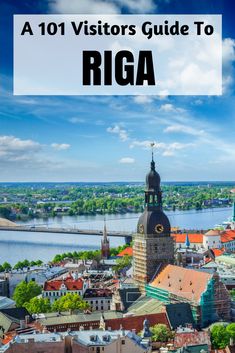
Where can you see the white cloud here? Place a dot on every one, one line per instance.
(76, 120)
(184, 129)
(228, 49)
(228, 59)
(101, 6)
(143, 99)
(168, 107)
(123, 135)
(127, 160)
(60, 146)
(14, 148)
(140, 6)
(166, 149)
(84, 7)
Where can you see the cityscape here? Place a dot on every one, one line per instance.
(117, 212)
(165, 289)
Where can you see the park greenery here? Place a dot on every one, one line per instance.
(160, 333)
(87, 254)
(25, 291)
(123, 263)
(221, 335)
(25, 201)
(75, 255)
(68, 302)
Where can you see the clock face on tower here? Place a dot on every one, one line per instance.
(159, 228)
(141, 228)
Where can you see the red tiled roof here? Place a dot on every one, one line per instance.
(186, 283)
(128, 251)
(213, 233)
(218, 252)
(191, 338)
(227, 235)
(70, 283)
(193, 238)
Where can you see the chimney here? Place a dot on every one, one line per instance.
(26, 320)
(22, 324)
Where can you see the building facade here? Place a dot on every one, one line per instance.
(57, 288)
(105, 248)
(153, 245)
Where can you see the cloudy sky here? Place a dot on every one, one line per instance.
(106, 138)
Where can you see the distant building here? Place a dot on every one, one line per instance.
(187, 336)
(206, 294)
(4, 287)
(127, 251)
(212, 239)
(56, 288)
(13, 320)
(6, 303)
(153, 244)
(112, 319)
(79, 342)
(155, 274)
(105, 248)
(99, 299)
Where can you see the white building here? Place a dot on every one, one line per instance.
(57, 288)
(212, 240)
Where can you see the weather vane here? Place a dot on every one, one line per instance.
(152, 144)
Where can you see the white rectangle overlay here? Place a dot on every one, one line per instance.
(49, 54)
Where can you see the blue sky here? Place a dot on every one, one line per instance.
(106, 138)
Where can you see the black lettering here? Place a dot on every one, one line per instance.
(27, 29)
(145, 62)
(91, 63)
(121, 68)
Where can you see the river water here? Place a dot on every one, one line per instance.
(17, 246)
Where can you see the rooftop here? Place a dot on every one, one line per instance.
(68, 283)
(145, 305)
(193, 238)
(128, 251)
(51, 319)
(185, 283)
(6, 303)
(97, 292)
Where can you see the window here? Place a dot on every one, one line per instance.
(123, 341)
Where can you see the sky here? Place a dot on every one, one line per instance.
(107, 138)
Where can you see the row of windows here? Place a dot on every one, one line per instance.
(59, 294)
(97, 302)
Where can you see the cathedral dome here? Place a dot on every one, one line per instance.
(153, 179)
(154, 222)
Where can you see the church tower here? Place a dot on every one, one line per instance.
(153, 245)
(105, 244)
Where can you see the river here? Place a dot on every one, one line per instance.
(17, 246)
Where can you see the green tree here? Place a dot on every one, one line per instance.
(6, 266)
(69, 302)
(123, 262)
(18, 266)
(160, 333)
(219, 336)
(57, 258)
(5, 212)
(39, 262)
(38, 305)
(25, 291)
(231, 330)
